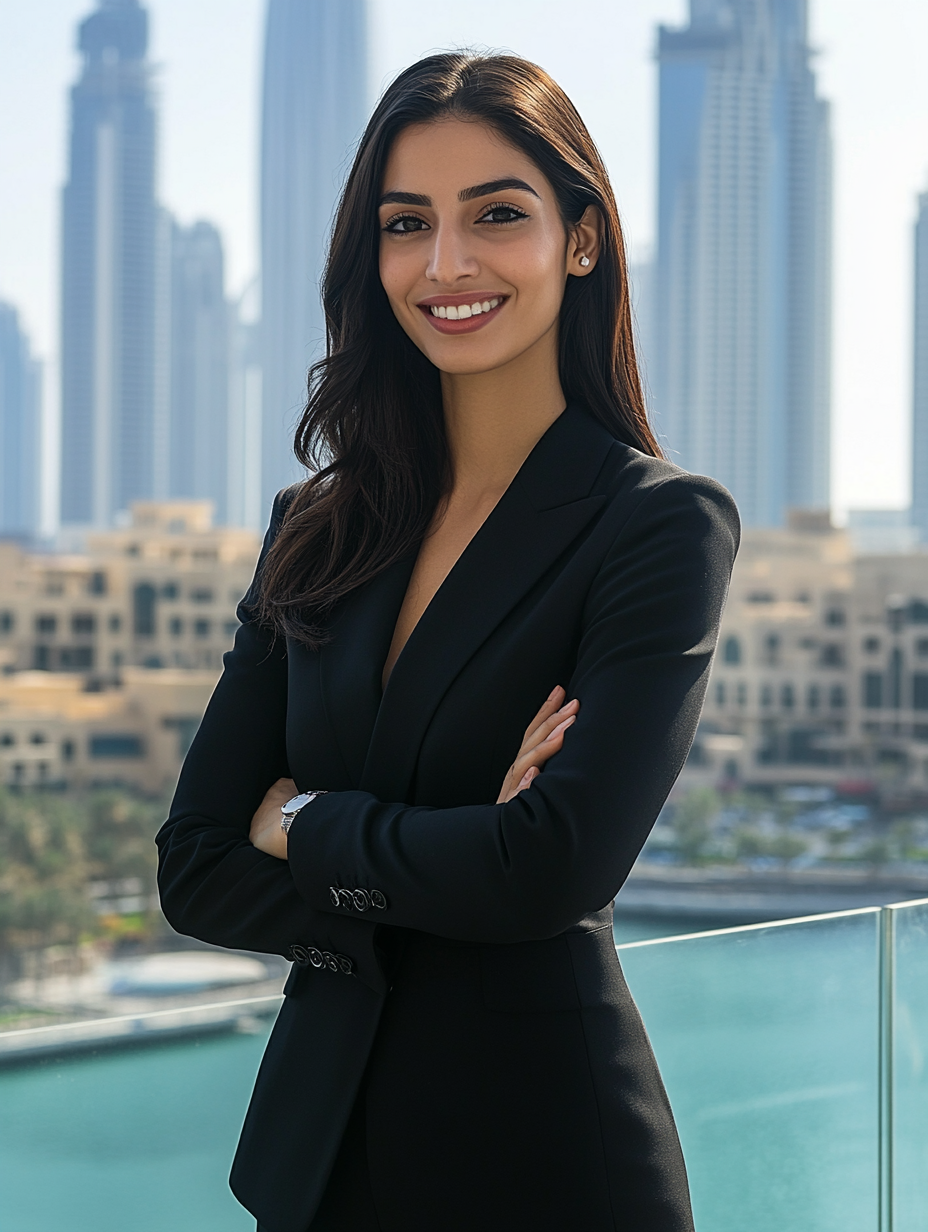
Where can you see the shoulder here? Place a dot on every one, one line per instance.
(643, 490)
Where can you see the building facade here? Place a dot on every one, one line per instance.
(920, 374)
(742, 313)
(20, 431)
(108, 272)
(313, 111)
(821, 673)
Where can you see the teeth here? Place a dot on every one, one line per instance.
(461, 312)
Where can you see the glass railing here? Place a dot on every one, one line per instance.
(795, 1055)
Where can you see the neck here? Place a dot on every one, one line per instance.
(494, 419)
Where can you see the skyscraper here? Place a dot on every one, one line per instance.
(742, 322)
(199, 403)
(314, 109)
(108, 263)
(920, 375)
(20, 410)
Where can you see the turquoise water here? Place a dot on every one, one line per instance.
(768, 1039)
(132, 1141)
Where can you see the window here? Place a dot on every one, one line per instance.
(201, 595)
(835, 616)
(83, 623)
(96, 584)
(837, 698)
(873, 690)
(41, 658)
(38, 737)
(872, 645)
(67, 750)
(7, 622)
(918, 612)
(175, 626)
(814, 697)
(732, 653)
(115, 622)
(720, 693)
(766, 695)
(201, 628)
(832, 655)
(761, 596)
(75, 658)
(920, 691)
(144, 598)
(169, 591)
(787, 697)
(771, 652)
(7, 740)
(921, 647)
(895, 679)
(116, 745)
(231, 628)
(46, 623)
(742, 694)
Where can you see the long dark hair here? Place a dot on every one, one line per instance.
(373, 428)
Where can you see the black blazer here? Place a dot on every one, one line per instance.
(455, 952)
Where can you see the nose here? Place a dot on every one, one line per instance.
(451, 257)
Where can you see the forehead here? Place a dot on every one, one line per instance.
(446, 156)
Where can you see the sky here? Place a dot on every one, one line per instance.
(871, 65)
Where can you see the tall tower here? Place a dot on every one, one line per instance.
(314, 109)
(20, 408)
(743, 306)
(108, 265)
(920, 375)
(199, 402)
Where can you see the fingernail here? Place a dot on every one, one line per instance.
(553, 694)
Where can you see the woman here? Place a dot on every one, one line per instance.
(491, 535)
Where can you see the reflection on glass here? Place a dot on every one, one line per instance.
(909, 1018)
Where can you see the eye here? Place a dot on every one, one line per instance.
(405, 224)
(502, 212)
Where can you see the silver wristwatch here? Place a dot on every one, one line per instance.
(289, 810)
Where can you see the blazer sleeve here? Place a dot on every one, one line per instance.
(214, 884)
(532, 867)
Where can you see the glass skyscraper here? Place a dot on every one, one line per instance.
(920, 375)
(740, 364)
(108, 255)
(314, 110)
(20, 414)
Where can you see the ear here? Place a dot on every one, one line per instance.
(584, 243)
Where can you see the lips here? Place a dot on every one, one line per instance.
(460, 315)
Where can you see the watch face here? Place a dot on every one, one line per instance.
(294, 805)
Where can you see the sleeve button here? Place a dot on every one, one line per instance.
(362, 900)
(378, 899)
(330, 960)
(299, 955)
(333, 895)
(346, 963)
(315, 957)
(345, 899)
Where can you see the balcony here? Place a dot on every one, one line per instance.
(795, 1055)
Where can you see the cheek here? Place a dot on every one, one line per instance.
(397, 275)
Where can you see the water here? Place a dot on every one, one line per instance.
(767, 1040)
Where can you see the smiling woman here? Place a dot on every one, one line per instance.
(392, 785)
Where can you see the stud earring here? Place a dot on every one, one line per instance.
(584, 261)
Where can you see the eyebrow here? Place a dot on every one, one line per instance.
(466, 194)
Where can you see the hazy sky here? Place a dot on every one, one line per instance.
(871, 64)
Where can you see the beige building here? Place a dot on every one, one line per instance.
(107, 659)
(160, 592)
(821, 675)
(54, 732)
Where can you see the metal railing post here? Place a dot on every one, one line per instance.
(887, 998)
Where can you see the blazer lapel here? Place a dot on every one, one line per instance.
(351, 664)
(544, 510)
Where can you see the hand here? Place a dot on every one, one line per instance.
(544, 737)
(265, 832)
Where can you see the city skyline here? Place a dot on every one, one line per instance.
(740, 338)
(888, 155)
